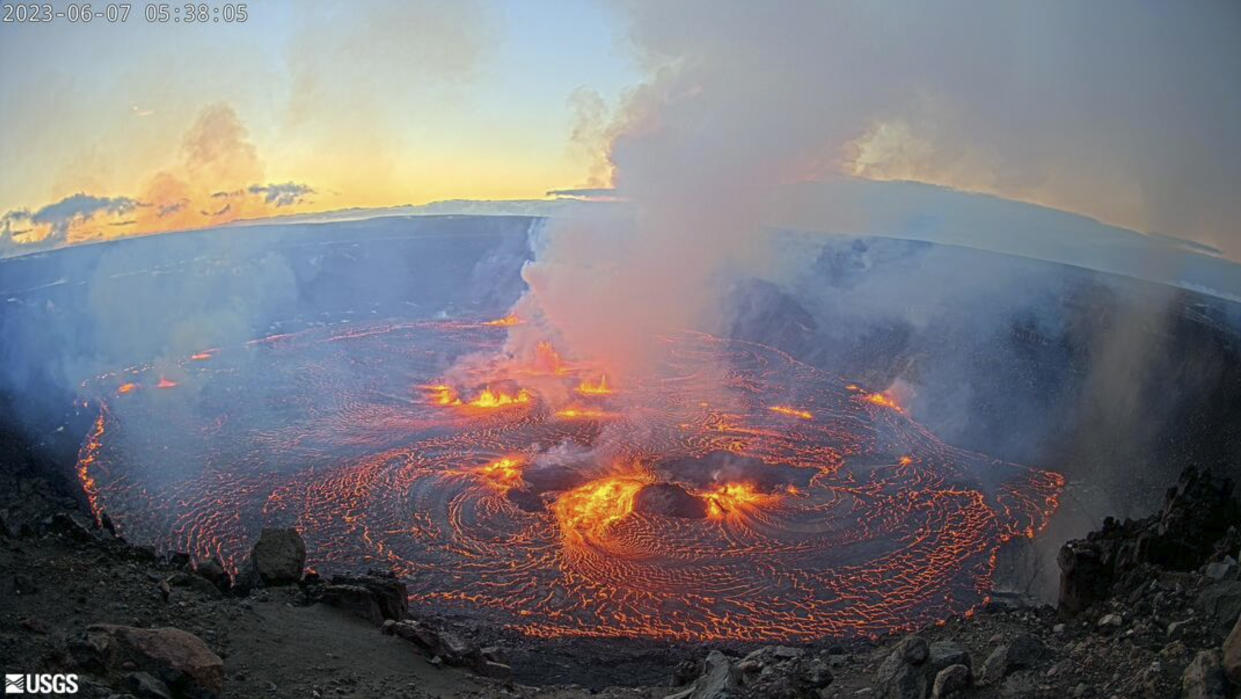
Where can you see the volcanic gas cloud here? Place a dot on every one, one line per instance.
(734, 493)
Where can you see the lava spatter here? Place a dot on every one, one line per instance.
(785, 505)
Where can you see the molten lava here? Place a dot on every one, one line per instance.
(597, 388)
(590, 509)
(126, 388)
(882, 399)
(732, 497)
(166, 383)
(505, 322)
(550, 520)
(791, 412)
(499, 399)
(504, 473)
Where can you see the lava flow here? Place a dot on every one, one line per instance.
(768, 502)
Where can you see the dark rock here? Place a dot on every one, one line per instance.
(356, 600)
(946, 653)
(526, 500)
(65, 525)
(902, 675)
(1204, 678)
(951, 681)
(669, 500)
(1221, 602)
(1232, 654)
(144, 686)
(193, 582)
(178, 658)
(213, 571)
(279, 556)
(389, 592)
(454, 648)
(1084, 577)
(1197, 514)
(246, 581)
(1023, 652)
(177, 559)
(685, 672)
(717, 681)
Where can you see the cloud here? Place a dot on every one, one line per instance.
(285, 194)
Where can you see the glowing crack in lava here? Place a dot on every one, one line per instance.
(798, 507)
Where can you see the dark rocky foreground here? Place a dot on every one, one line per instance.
(1148, 608)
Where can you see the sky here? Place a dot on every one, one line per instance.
(352, 104)
(1124, 111)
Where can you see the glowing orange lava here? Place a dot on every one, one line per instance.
(731, 497)
(505, 322)
(443, 395)
(791, 412)
(598, 388)
(503, 473)
(499, 399)
(166, 383)
(126, 388)
(592, 508)
(582, 414)
(201, 356)
(884, 400)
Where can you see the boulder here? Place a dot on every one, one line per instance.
(356, 600)
(1204, 678)
(717, 681)
(1221, 602)
(213, 571)
(951, 681)
(193, 582)
(902, 674)
(391, 595)
(278, 556)
(1022, 653)
(177, 658)
(1232, 654)
(1085, 577)
(781, 672)
(947, 653)
(65, 525)
(144, 686)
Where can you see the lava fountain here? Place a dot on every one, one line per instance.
(798, 508)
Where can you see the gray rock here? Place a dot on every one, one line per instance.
(1221, 570)
(1023, 652)
(65, 525)
(946, 653)
(951, 681)
(144, 686)
(389, 592)
(901, 676)
(193, 582)
(717, 681)
(1110, 621)
(1204, 678)
(1221, 601)
(454, 648)
(1232, 654)
(279, 556)
(356, 600)
(213, 572)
